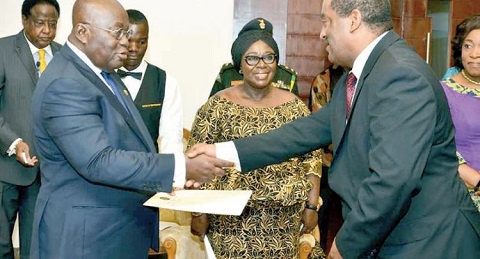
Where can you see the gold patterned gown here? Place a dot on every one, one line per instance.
(269, 227)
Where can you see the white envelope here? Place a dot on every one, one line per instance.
(204, 201)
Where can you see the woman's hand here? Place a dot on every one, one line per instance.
(309, 220)
(199, 225)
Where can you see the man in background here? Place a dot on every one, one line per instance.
(154, 92)
(285, 78)
(23, 58)
(99, 163)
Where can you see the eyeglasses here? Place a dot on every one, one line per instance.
(267, 59)
(117, 33)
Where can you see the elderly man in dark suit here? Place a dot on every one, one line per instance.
(22, 59)
(394, 164)
(99, 163)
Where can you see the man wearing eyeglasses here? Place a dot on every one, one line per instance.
(23, 58)
(285, 78)
(155, 93)
(99, 163)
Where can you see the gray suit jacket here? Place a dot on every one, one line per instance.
(18, 77)
(99, 166)
(394, 164)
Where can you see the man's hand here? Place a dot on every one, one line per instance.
(199, 225)
(203, 168)
(202, 148)
(334, 253)
(22, 153)
(309, 220)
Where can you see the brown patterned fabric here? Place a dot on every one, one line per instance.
(270, 224)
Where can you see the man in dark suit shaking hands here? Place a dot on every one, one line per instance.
(394, 164)
(23, 57)
(99, 163)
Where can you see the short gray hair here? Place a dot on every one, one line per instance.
(376, 13)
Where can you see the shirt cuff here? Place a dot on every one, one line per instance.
(228, 151)
(12, 149)
(180, 171)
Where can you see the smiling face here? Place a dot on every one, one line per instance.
(471, 54)
(260, 75)
(335, 32)
(41, 26)
(101, 46)
(138, 45)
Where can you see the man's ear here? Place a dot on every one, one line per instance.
(24, 21)
(81, 32)
(356, 20)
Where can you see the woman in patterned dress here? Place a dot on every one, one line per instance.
(285, 195)
(463, 94)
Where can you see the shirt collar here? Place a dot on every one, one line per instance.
(84, 58)
(141, 68)
(34, 49)
(361, 60)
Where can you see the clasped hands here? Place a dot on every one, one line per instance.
(202, 165)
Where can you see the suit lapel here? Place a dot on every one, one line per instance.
(133, 118)
(134, 114)
(382, 45)
(55, 47)
(25, 55)
(339, 124)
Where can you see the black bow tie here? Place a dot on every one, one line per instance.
(123, 73)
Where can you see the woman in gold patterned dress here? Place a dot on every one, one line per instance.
(285, 195)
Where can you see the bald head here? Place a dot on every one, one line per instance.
(99, 29)
(94, 10)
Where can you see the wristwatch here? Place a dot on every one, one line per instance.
(196, 214)
(477, 187)
(311, 207)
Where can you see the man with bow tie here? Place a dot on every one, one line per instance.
(155, 93)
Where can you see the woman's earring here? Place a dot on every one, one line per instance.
(240, 72)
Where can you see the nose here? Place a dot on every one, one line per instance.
(47, 28)
(475, 52)
(132, 46)
(261, 63)
(323, 36)
(124, 41)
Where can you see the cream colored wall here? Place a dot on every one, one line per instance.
(190, 39)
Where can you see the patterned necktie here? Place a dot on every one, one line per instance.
(114, 88)
(349, 92)
(123, 73)
(41, 59)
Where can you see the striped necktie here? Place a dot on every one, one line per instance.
(349, 92)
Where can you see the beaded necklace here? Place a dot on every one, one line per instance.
(469, 79)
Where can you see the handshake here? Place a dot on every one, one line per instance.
(202, 165)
